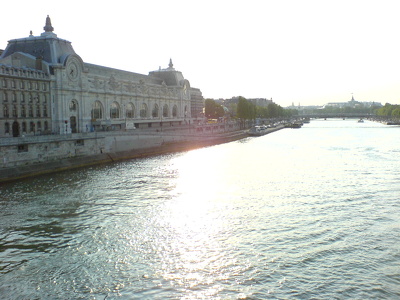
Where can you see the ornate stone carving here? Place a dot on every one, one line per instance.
(143, 88)
(154, 91)
(96, 83)
(130, 87)
(112, 82)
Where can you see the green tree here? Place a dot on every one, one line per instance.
(290, 112)
(385, 111)
(262, 112)
(273, 110)
(212, 109)
(232, 107)
(396, 112)
(245, 109)
(242, 109)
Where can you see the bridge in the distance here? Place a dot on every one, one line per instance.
(337, 115)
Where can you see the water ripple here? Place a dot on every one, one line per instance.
(308, 214)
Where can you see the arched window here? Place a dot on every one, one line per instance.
(39, 126)
(30, 112)
(114, 110)
(97, 110)
(73, 105)
(130, 111)
(143, 110)
(175, 111)
(31, 127)
(22, 98)
(165, 111)
(46, 125)
(154, 113)
(23, 126)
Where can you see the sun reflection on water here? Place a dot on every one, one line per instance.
(196, 258)
(196, 177)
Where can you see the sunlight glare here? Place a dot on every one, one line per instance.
(196, 224)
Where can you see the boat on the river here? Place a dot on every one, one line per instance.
(257, 131)
(294, 125)
(360, 121)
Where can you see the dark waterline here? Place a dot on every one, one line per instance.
(312, 213)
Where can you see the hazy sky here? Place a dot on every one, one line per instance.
(293, 51)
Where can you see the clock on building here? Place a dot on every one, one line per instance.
(72, 70)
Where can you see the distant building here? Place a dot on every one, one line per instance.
(261, 101)
(302, 108)
(45, 87)
(257, 101)
(197, 103)
(352, 103)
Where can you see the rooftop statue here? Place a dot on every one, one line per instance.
(48, 27)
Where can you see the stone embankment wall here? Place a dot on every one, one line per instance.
(28, 156)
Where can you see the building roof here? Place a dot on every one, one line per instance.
(51, 50)
(170, 76)
(47, 46)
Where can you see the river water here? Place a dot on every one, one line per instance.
(310, 213)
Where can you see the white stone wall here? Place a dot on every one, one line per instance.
(29, 151)
(113, 87)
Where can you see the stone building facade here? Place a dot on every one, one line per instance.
(197, 104)
(46, 88)
(24, 101)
